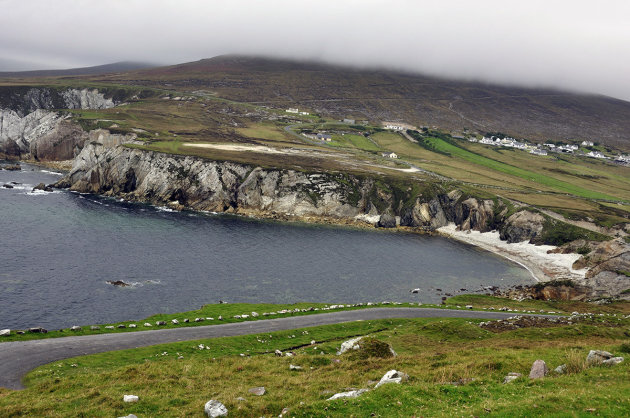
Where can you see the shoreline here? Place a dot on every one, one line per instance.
(542, 265)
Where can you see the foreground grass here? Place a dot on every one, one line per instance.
(455, 368)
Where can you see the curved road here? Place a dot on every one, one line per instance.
(19, 357)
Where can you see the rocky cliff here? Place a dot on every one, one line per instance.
(106, 167)
(30, 126)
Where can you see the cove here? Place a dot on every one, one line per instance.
(60, 249)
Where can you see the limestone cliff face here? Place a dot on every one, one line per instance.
(190, 182)
(28, 125)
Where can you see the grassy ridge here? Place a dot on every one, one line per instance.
(455, 368)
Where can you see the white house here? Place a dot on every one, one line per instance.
(292, 110)
(587, 143)
(324, 137)
(389, 155)
(595, 154)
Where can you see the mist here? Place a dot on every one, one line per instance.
(570, 45)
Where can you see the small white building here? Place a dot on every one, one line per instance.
(292, 110)
(538, 151)
(389, 154)
(398, 126)
(587, 143)
(324, 137)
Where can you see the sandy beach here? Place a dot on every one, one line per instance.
(534, 258)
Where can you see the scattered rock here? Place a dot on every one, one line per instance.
(129, 416)
(416, 290)
(258, 391)
(241, 399)
(186, 320)
(36, 330)
(133, 326)
(392, 376)
(278, 353)
(293, 367)
(284, 411)
(215, 409)
(350, 394)
(5, 332)
(109, 327)
(175, 321)
(561, 369)
(160, 323)
(95, 328)
(147, 324)
(130, 398)
(539, 370)
(7, 186)
(121, 326)
(75, 328)
(511, 377)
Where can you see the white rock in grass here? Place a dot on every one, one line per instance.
(175, 321)
(258, 391)
(511, 377)
(132, 325)
(129, 416)
(146, 324)
(5, 332)
(215, 409)
(130, 398)
(75, 328)
(351, 394)
(392, 376)
(349, 345)
(293, 367)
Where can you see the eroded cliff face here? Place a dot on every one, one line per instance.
(28, 126)
(194, 183)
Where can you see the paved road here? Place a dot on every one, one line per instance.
(19, 357)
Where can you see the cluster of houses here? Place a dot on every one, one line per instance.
(548, 147)
(297, 111)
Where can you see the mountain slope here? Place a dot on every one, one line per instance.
(99, 69)
(535, 114)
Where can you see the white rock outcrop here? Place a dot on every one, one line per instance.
(350, 394)
(130, 398)
(5, 332)
(392, 376)
(351, 344)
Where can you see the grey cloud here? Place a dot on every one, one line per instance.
(564, 44)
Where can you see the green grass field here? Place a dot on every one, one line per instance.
(455, 368)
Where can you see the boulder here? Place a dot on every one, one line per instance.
(278, 353)
(38, 330)
(387, 221)
(133, 326)
(130, 398)
(293, 367)
(392, 376)
(613, 361)
(539, 370)
(350, 394)
(160, 323)
(215, 409)
(75, 328)
(7, 186)
(511, 377)
(175, 321)
(598, 356)
(5, 332)
(129, 416)
(258, 391)
(95, 327)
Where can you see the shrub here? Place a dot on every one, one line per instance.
(371, 347)
(584, 249)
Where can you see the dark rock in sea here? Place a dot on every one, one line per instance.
(387, 221)
(118, 283)
(7, 186)
(439, 290)
(42, 186)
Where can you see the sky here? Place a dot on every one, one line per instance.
(571, 45)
